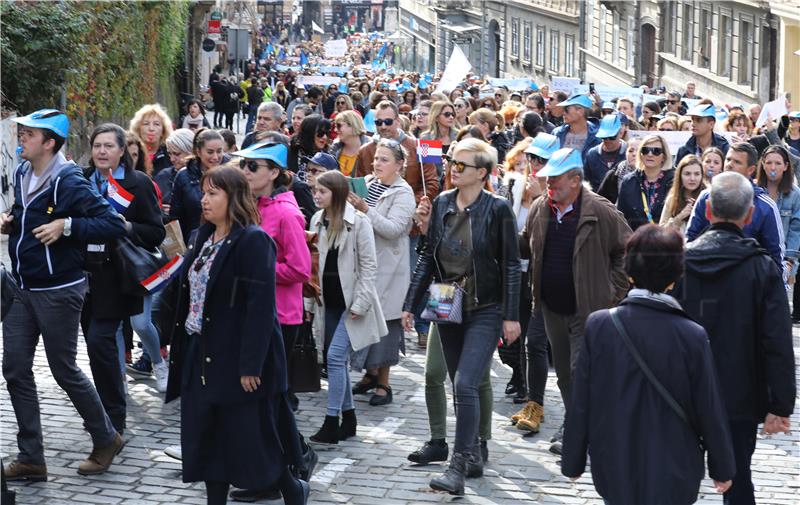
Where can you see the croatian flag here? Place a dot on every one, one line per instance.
(163, 275)
(117, 196)
(429, 151)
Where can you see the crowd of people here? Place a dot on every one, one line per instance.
(544, 228)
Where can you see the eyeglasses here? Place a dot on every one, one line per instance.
(314, 170)
(673, 102)
(655, 151)
(536, 159)
(381, 122)
(460, 166)
(448, 114)
(252, 165)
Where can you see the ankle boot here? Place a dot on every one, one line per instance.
(452, 480)
(475, 463)
(329, 433)
(348, 426)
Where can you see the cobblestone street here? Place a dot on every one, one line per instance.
(368, 469)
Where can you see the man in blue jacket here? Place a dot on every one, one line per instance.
(55, 213)
(704, 118)
(577, 132)
(766, 224)
(602, 158)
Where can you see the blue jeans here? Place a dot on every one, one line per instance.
(421, 325)
(468, 349)
(148, 334)
(340, 394)
(251, 119)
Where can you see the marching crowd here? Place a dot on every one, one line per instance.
(477, 218)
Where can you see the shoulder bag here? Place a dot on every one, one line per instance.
(136, 265)
(666, 395)
(304, 374)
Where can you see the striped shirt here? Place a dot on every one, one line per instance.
(376, 189)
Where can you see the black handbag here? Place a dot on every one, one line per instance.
(303, 364)
(135, 265)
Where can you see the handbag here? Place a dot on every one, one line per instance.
(445, 303)
(135, 264)
(666, 395)
(303, 364)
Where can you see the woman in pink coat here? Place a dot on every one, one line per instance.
(264, 166)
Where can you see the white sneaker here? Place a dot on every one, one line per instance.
(174, 451)
(161, 371)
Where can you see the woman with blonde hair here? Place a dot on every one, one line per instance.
(643, 192)
(441, 127)
(684, 192)
(351, 136)
(152, 124)
(463, 108)
(492, 126)
(739, 122)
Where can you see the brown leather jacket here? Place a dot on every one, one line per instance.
(597, 266)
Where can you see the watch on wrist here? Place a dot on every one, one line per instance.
(67, 226)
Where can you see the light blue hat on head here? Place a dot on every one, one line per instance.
(582, 100)
(543, 145)
(703, 110)
(610, 126)
(46, 119)
(561, 162)
(268, 150)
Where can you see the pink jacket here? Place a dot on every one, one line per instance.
(282, 220)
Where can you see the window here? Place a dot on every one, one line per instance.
(688, 32)
(615, 38)
(725, 38)
(554, 48)
(526, 43)
(540, 46)
(705, 39)
(569, 55)
(515, 37)
(746, 44)
(629, 43)
(602, 47)
(669, 13)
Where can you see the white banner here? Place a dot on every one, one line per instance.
(609, 92)
(317, 80)
(457, 68)
(675, 140)
(335, 48)
(565, 84)
(772, 110)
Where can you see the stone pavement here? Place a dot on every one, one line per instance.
(368, 469)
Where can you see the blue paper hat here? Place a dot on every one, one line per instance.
(544, 145)
(582, 100)
(46, 119)
(794, 114)
(608, 106)
(561, 162)
(703, 110)
(610, 126)
(265, 151)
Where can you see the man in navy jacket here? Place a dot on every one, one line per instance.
(704, 119)
(733, 289)
(765, 225)
(55, 213)
(577, 132)
(602, 158)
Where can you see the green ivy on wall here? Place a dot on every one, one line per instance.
(106, 58)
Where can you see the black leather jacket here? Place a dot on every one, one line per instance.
(495, 255)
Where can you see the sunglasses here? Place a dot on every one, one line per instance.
(498, 96)
(460, 166)
(460, 106)
(536, 159)
(655, 151)
(448, 114)
(203, 258)
(381, 122)
(252, 165)
(341, 103)
(323, 133)
(673, 102)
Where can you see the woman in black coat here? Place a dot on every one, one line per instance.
(133, 195)
(228, 362)
(642, 450)
(643, 192)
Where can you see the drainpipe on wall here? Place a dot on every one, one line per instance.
(582, 42)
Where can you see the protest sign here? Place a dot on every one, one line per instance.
(317, 80)
(675, 140)
(336, 48)
(519, 84)
(772, 110)
(565, 84)
(609, 92)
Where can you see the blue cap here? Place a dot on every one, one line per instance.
(422, 84)
(610, 126)
(561, 162)
(534, 87)
(325, 160)
(794, 114)
(46, 119)
(703, 110)
(582, 100)
(543, 145)
(268, 150)
(721, 114)
(608, 106)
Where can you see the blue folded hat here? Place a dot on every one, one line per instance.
(267, 150)
(561, 162)
(608, 106)
(582, 100)
(610, 126)
(46, 119)
(703, 110)
(544, 145)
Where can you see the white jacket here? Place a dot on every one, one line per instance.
(357, 270)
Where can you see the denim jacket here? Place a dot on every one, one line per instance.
(789, 209)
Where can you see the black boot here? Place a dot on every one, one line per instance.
(434, 450)
(348, 426)
(329, 433)
(452, 480)
(476, 461)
